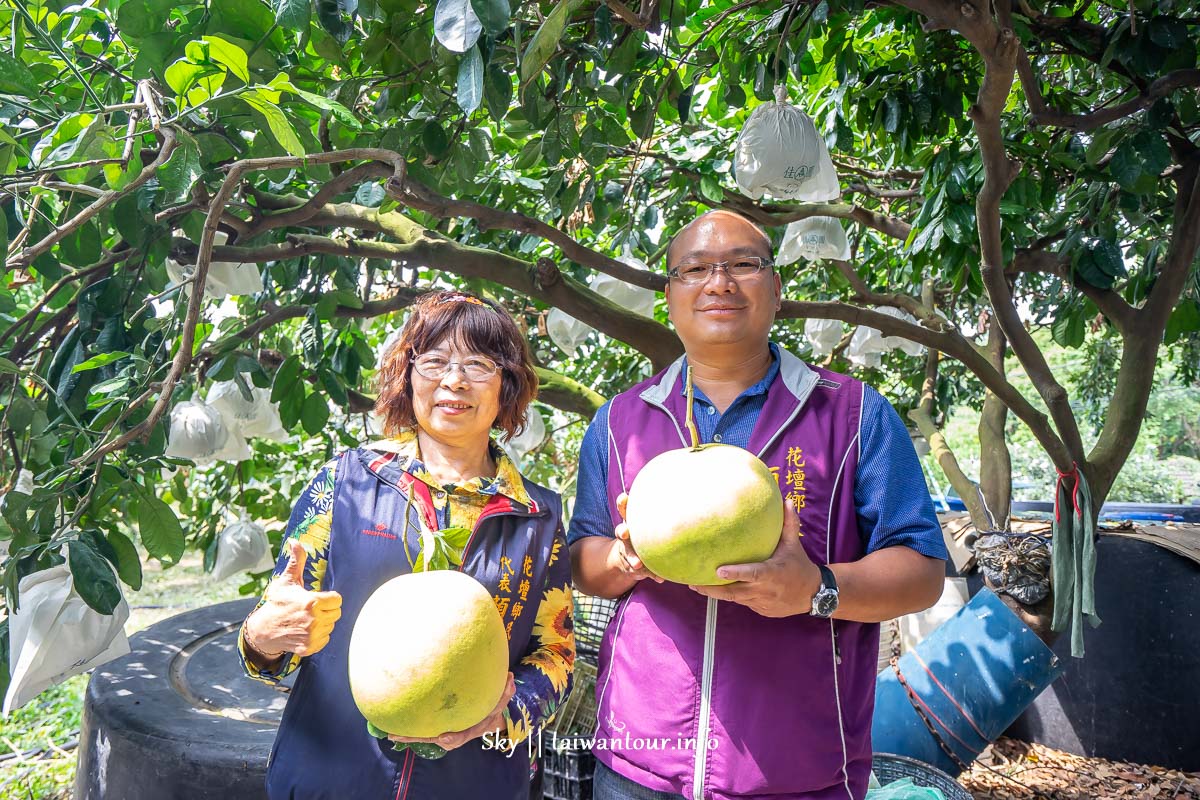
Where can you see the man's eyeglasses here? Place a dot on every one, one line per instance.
(700, 271)
(435, 367)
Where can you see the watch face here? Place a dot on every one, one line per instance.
(826, 602)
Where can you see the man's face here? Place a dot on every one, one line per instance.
(722, 310)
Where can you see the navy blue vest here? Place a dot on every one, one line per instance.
(323, 749)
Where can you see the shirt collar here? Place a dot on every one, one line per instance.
(407, 449)
(759, 388)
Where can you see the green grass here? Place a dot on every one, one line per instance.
(52, 719)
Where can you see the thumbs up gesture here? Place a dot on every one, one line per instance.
(292, 619)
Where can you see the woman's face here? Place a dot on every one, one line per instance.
(455, 409)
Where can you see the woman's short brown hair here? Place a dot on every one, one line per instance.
(480, 326)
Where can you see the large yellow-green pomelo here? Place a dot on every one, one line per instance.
(428, 654)
(691, 511)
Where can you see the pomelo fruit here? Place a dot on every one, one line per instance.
(428, 655)
(693, 510)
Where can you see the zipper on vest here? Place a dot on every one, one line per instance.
(706, 677)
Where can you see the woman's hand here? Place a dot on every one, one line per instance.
(622, 556)
(292, 619)
(492, 722)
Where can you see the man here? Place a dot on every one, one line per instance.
(763, 688)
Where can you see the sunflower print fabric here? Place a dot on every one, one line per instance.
(543, 676)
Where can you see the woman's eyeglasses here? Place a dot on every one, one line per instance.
(700, 271)
(435, 367)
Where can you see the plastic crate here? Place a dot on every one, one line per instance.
(888, 767)
(567, 769)
(592, 615)
(577, 715)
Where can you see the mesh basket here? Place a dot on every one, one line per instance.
(577, 714)
(592, 615)
(888, 768)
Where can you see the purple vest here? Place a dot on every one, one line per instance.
(706, 698)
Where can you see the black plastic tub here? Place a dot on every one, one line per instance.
(176, 718)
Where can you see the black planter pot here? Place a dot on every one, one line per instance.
(176, 718)
(1135, 695)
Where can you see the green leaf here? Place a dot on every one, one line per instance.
(457, 537)
(287, 379)
(494, 15)
(1184, 319)
(314, 414)
(470, 81)
(99, 361)
(1068, 329)
(434, 139)
(195, 82)
(1101, 264)
(339, 111)
(293, 15)
(161, 533)
(93, 577)
(279, 125)
(497, 91)
(129, 563)
(710, 189)
(228, 55)
(544, 43)
(1125, 166)
(142, 18)
(181, 171)
(15, 78)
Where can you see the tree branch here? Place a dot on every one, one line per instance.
(773, 214)
(999, 47)
(567, 394)
(542, 281)
(922, 415)
(26, 256)
(1042, 114)
(950, 342)
(1111, 304)
(413, 194)
(183, 356)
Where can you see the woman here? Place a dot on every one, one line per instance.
(440, 488)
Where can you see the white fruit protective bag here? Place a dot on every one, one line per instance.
(241, 546)
(54, 634)
(253, 416)
(779, 152)
(566, 331)
(813, 239)
(199, 433)
(823, 335)
(224, 278)
(866, 347)
(527, 440)
(637, 299)
(899, 342)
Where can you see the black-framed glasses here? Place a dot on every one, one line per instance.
(435, 366)
(700, 271)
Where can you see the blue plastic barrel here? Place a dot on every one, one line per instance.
(972, 676)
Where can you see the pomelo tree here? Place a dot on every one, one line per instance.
(1005, 168)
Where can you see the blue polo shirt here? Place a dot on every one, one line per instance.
(891, 499)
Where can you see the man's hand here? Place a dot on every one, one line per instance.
(622, 556)
(292, 619)
(493, 722)
(781, 586)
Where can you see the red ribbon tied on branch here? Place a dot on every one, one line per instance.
(1073, 475)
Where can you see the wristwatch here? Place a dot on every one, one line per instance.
(825, 601)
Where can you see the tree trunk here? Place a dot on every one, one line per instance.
(995, 462)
